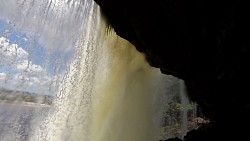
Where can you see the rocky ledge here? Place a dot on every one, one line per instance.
(205, 43)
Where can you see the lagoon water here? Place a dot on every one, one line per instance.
(16, 120)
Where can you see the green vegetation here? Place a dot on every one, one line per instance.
(173, 116)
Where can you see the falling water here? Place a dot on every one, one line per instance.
(108, 92)
(184, 110)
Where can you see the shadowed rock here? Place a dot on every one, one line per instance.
(205, 43)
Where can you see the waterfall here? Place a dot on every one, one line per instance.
(188, 111)
(108, 91)
(184, 110)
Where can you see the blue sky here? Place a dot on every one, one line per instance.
(37, 42)
(22, 40)
(33, 68)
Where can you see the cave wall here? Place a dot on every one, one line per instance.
(206, 43)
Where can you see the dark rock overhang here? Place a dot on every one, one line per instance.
(206, 43)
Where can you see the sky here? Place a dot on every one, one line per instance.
(25, 65)
(38, 42)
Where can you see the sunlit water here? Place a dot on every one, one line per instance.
(106, 91)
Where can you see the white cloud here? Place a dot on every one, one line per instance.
(22, 73)
(25, 39)
(24, 80)
(43, 84)
(28, 66)
(58, 23)
(54, 24)
(11, 52)
(2, 76)
(17, 57)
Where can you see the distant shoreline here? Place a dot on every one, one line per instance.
(26, 104)
(25, 98)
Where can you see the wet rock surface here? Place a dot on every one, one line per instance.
(205, 43)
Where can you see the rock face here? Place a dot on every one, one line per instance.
(206, 43)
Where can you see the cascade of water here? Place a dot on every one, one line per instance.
(108, 92)
(184, 110)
